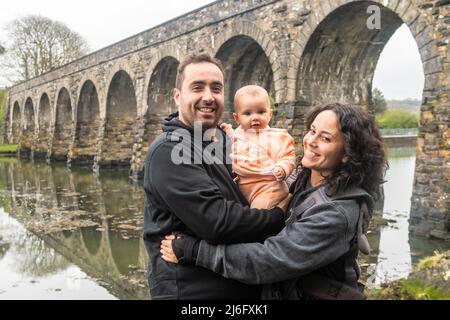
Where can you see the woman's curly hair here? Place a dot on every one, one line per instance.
(364, 147)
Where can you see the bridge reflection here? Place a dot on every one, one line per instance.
(53, 202)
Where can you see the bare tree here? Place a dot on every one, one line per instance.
(39, 44)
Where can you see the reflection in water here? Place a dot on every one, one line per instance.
(54, 201)
(30, 254)
(31, 269)
(92, 239)
(125, 253)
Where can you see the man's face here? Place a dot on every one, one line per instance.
(201, 97)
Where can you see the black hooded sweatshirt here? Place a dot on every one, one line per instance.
(201, 200)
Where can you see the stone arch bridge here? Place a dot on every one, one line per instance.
(105, 108)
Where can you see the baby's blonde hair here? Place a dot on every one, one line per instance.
(253, 91)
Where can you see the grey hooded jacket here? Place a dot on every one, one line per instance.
(316, 239)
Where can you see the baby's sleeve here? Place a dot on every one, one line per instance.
(228, 128)
(286, 156)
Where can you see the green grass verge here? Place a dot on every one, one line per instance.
(8, 148)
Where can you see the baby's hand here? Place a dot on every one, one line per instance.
(228, 128)
(279, 173)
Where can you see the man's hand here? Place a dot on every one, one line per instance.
(167, 253)
(279, 173)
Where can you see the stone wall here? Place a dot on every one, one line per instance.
(430, 210)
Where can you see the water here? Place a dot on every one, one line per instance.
(398, 252)
(394, 258)
(39, 254)
(68, 234)
(36, 270)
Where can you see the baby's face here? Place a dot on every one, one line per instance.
(252, 112)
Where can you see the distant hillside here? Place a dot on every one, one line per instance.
(410, 105)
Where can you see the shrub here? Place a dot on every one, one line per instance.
(397, 119)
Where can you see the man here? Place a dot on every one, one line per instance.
(198, 198)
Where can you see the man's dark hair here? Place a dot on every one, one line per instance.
(195, 58)
(364, 147)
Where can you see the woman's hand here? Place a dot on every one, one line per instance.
(167, 253)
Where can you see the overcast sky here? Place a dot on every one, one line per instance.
(399, 72)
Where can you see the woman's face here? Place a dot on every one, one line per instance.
(323, 145)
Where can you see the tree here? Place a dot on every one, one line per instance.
(379, 104)
(2, 49)
(2, 105)
(39, 44)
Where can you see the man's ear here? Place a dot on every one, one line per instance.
(236, 118)
(177, 96)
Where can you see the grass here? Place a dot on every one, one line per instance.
(429, 281)
(431, 262)
(420, 291)
(8, 148)
(4, 159)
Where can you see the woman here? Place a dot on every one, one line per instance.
(314, 256)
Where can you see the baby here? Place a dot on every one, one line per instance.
(263, 157)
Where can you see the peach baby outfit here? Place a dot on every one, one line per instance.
(255, 153)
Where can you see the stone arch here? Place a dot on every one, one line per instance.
(244, 63)
(16, 123)
(44, 121)
(159, 99)
(258, 45)
(327, 65)
(158, 54)
(87, 124)
(27, 138)
(323, 61)
(120, 120)
(63, 125)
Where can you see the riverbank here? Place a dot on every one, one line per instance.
(430, 280)
(8, 150)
